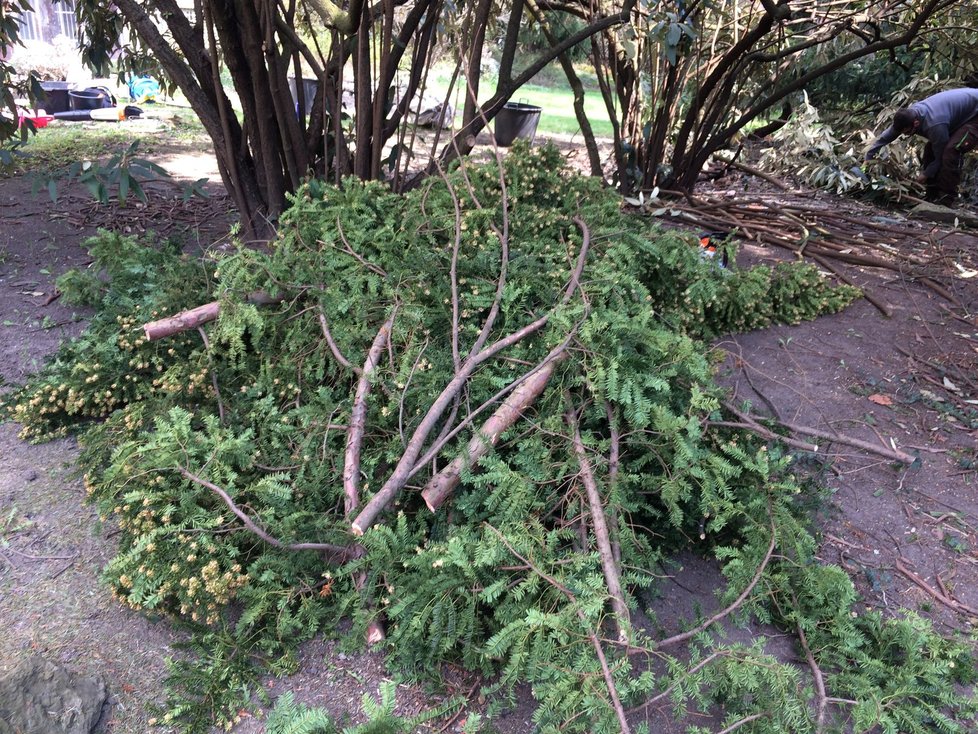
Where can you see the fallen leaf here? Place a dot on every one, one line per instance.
(881, 399)
(964, 272)
(951, 386)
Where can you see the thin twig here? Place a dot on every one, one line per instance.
(893, 454)
(760, 174)
(210, 360)
(761, 431)
(942, 598)
(344, 551)
(8, 549)
(353, 253)
(744, 721)
(333, 347)
(762, 567)
(614, 462)
(692, 671)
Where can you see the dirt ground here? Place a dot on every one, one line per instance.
(908, 383)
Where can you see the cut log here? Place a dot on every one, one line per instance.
(194, 317)
(441, 486)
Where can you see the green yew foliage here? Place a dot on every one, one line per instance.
(506, 578)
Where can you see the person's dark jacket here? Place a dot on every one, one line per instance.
(940, 114)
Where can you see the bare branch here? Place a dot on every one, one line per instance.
(412, 451)
(821, 700)
(888, 453)
(742, 722)
(358, 419)
(441, 486)
(761, 568)
(333, 347)
(601, 535)
(343, 551)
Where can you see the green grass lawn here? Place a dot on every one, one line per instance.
(553, 95)
(60, 144)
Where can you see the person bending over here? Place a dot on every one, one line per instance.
(949, 121)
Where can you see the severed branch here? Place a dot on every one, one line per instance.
(599, 523)
(441, 486)
(195, 317)
(344, 552)
(938, 595)
(405, 466)
(887, 453)
(411, 452)
(449, 433)
(358, 420)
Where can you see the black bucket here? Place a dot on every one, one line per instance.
(88, 99)
(54, 97)
(309, 89)
(516, 120)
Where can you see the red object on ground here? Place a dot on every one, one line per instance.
(39, 119)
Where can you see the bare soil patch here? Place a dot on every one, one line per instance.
(908, 536)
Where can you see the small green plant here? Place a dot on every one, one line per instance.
(290, 717)
(11, 523)
(213, 679)
(121, 175)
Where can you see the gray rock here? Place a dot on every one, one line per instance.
(40, 697)
(943, 214)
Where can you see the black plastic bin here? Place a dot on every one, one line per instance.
(309, 89)
(516, 120)
(89, 99)
(54, 97)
